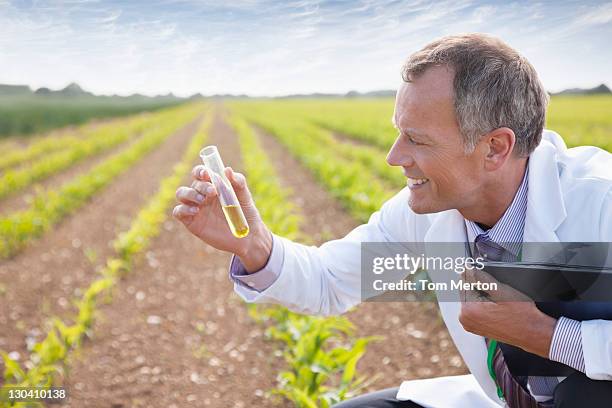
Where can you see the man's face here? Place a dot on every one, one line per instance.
(429, 147)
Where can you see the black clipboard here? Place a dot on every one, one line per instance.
(579, 292)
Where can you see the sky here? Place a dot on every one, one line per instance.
(264, 47)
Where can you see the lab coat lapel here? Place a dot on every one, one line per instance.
(449, 226)
(545, 204)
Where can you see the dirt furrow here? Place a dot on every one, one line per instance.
(23, 141)
(22, 199)
(44, 278)
(175, 334)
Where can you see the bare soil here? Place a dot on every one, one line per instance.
(22, 199)
(176, 335)
(44, 278)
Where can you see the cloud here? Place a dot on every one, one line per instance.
(111, 17)
(598, 16)
(266, 46)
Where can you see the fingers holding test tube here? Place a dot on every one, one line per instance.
(199, 173)
(197, 195)
(218, 208)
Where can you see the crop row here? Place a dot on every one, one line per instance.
(579, 119)
(48, 357)
(370, 156)
(49, 207)
(14, 155)
(75, 151)
(55, 141)
(366, 120)
(343, 176)
(320, 354)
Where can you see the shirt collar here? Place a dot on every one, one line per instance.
(508, 231)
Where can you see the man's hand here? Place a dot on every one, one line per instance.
(506, 315)
(199, 210)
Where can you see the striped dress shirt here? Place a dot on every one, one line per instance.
(566, 345)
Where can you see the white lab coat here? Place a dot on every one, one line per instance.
(569, 200)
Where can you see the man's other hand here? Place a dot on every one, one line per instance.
(506, 315)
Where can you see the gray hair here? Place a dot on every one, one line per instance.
(494, 86)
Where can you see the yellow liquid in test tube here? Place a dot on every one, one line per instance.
(235, 219)
(227, 197)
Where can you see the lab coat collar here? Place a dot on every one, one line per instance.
(545, 203)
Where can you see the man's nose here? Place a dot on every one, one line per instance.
(400, 155)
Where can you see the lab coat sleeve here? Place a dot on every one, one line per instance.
(597, 334)
(326, 280)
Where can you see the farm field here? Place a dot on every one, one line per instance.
(27, 114)
(104, 293)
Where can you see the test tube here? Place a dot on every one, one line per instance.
(227, 197)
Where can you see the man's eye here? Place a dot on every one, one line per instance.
(411, 140)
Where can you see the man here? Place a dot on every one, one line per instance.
(481, 169)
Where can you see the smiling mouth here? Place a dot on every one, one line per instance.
(413, 182)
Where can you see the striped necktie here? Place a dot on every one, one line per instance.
(514, 389)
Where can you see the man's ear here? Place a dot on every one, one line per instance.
(498, 144)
